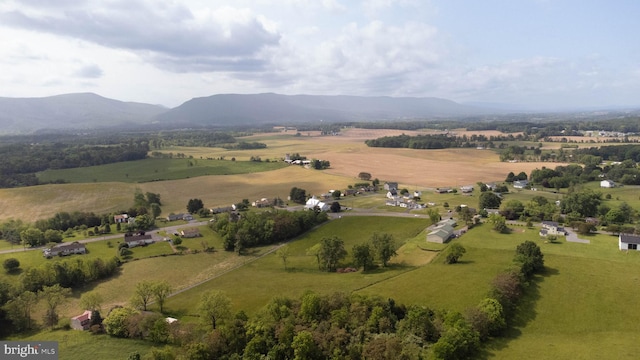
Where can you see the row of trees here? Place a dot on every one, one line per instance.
(254, 229)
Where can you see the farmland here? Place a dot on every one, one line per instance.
(578, 308)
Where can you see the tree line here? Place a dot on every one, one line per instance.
(19, 162)
(255, 229)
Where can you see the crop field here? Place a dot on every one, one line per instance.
(157, 170)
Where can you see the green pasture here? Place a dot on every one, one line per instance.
(157, 170)
(81, 345)
(251, 286)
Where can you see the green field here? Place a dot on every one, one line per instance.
(157, 170)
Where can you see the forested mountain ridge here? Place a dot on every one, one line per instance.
(71, 111)
(235, 109)
(91, 111)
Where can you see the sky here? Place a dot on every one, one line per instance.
(538, 54)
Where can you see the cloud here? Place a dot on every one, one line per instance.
(91, 71)
(170, 33)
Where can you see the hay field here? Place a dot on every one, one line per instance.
(347, 154)
(37, 202)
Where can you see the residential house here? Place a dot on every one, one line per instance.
(392, 194)
(466, 189)
(349, 192)
(607, 184)
(65, 249)
(264, 202)
(443, 190)
(181, 216)
(628, 242)
(221, 210)
(520, 184)
(390, 185)
(190, 233)
(551, 228)
(121, 219)
(82, 321)
(314, 202)
(137, 240)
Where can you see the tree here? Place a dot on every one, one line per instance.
(434, 215)
(115, 324)
(512, 209)
(283, 253)
(194, 205)
(616, 216)
(498, 222)
(155, 210)
(466, 215)
(11, 264)
(32, 237)
(529, 255)
(214, 307)
(153, 198)
(298, 195)
(335, 207)
(489, 200)
(362, 256)
(384, 247)
(161, 290)
(51, 235)
(144, 222)
(304, 347)
(331, 252)
(455, 253)
(91, 301)
(53, 296)
(364, 176)
(19, 310)
(142, 294)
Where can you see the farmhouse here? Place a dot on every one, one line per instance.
(443, 190)
(552, 228)
(121, 219)
(607, 184)
(314, 202)
(264, 202)
(82, 321)
(137, 240)
(628, 242)
(190, 233)
(391, 185)
(65, 249)
(520, 184)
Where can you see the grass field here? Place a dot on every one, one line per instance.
(157, 170)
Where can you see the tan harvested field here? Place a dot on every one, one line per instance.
(347, 153)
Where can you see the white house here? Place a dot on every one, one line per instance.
(65, 249)
(520, 184)
(628, 242)
(552, 228)
(82, 321)
(313, 202)
(607, 184)
(138, 240)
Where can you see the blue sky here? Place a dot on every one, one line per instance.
(538, 54)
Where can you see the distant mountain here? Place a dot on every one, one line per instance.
(71, 111)
(234, 109)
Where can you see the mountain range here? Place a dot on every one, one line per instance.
(91, 111)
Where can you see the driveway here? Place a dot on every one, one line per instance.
(573, 237)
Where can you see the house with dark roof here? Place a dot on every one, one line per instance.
(190, 233)
(138, 240)
(390, 185)
(628, 242)
(552, 228)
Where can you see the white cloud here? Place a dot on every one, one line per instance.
(203, 40)
(89, 71)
